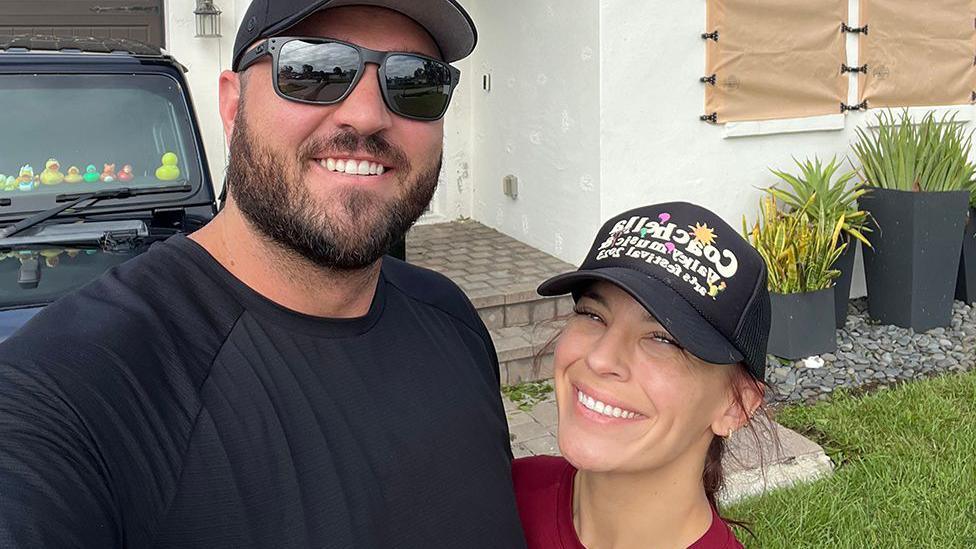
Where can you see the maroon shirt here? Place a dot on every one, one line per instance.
(544, 492)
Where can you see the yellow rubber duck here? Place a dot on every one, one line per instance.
(74, 175)
(52, 257)
(169, 171)
(52, 173)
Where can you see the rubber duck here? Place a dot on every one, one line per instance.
(51, 257)
(74, 175)
(25, 181)
(126, 173)
(108, 174)
(169, 171)
(91, 174)
(52, 173)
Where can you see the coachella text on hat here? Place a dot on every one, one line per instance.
(684, 254)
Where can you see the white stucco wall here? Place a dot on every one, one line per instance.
(205, 58)
(539, 121)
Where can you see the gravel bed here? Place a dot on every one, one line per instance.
(870, 354)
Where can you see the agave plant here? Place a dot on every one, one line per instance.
(799, 254)
(932, 155)
(816, 193)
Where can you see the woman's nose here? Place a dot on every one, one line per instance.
(607, 357)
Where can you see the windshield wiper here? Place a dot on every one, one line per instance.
(72, 200)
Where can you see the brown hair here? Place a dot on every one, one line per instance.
(713, 475)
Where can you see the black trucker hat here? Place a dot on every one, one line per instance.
(696, 275)
(446, 21)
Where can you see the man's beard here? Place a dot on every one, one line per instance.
(276, 200)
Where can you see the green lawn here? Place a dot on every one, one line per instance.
(907, 474)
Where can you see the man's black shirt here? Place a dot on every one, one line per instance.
(169, 405)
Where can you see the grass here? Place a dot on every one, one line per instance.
(906, 474)
(527, 395)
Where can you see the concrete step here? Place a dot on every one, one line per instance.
(522, 309)
(498, 273)
(751, 470)
(525, 352)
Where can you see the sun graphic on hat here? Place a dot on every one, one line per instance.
(703, 233)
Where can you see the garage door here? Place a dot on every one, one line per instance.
(134, 19)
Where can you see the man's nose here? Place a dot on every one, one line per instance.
(364, 110)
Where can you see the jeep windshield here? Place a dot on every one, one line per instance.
(78, 133)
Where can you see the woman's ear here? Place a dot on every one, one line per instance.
(744, 398)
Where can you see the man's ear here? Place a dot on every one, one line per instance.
(737, 415)
(230, 89)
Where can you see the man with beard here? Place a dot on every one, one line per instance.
(273, 381)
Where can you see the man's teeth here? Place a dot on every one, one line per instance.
(605, 409)
(352, 167)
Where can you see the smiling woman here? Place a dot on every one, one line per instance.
(658, 365)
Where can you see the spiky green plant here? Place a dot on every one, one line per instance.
(932, 155)
(799, 255)
(828, 198)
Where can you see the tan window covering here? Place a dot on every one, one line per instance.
(917, 53)
(775, 58)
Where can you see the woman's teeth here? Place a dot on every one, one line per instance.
(605, 409)
(352, 167)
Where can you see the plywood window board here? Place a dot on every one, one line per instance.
(917, 53)
(774, 59)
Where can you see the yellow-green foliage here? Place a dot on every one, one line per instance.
(799, 254)
(827, 198)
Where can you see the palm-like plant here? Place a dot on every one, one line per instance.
(799, 254)
(932, 155)
(816, 193)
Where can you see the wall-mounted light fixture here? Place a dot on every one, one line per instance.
(208, 19)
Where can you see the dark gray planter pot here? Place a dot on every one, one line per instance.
(802, 325)
(966, 281)
(842, 285)
(911, 270)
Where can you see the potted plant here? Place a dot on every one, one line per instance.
(800, 256)
(966, 280)
(919, 176)
(835, 201)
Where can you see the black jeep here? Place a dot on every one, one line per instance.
(100, 156)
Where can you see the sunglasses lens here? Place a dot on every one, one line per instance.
(315, 71)
(417, 87)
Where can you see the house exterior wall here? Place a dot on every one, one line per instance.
(205, 58)
(539, 121)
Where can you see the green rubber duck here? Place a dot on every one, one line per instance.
(169, 171)
(91, 174)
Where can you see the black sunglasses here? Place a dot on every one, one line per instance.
(323, 71)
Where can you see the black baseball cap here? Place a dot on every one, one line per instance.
(447, 22)
(696, 275)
